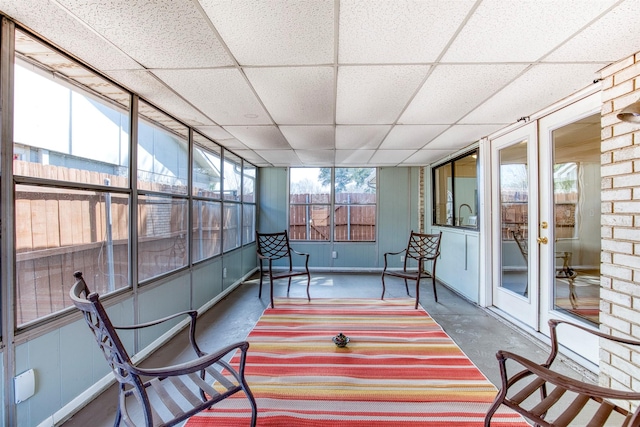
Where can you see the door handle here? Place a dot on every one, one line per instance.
(543, 240)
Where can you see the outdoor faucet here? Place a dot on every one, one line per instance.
(460, 214)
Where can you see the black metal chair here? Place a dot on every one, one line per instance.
(166, 395)
(519, 391)
(272, 247)
(421, 248)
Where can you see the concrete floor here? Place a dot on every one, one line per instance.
(477, 331)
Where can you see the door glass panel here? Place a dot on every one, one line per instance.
(514, 218)
(576, 191)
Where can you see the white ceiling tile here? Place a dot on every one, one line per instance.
(520, 31)
(54, 23)
(451, 91)
(259, 137)
(399, 31)
(310, 137)
(214, 132)
(300, 95)
(252, 157)
(359, 137)
(157, 34)
(151, 89)
(533, 91)
(599, 43)
(353, 157)
(376, 94)
(403, 137)
(280, 157)
(275, 32)
(460, 136)
(316, 157)
(221, 94)
(426, 157)
(390, 157)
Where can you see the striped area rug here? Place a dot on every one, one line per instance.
(399, 369)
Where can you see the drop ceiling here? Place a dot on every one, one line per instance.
(342, 82)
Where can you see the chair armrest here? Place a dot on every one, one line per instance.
(299, 253)
(557, 379)
(195, 365)
(193, 315)
(391, 253)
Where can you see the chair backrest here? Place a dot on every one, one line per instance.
(521, 242)
(424, 245)
(100, 325)
(273, 245)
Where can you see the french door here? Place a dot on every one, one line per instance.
(546, 223)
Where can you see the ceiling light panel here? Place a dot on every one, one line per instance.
(310, 137)
(184, 40)
(595, 43)
(404, 137)
(451, 91)
(533, 91)
(222, 94)
(399, 31)
(152, 90)
(523, 31)
(353, 157)
(300, 95)
(57, 25)
(360, 137)
(460, 136)
(275, 32)
(259, 137)
(376, 94)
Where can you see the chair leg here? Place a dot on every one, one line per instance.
(433, 282)
(260, 288)
(308, 284)
(383, 287)
(406, 287)
(271, 287)
(288, 286)
(417, 291)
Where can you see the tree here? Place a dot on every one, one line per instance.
(353, 178)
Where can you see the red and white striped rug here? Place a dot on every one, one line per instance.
(399, 369)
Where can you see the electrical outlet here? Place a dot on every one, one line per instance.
(224, 273)
(401, 258)
(334, 254)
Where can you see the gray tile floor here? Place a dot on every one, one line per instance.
(478, 332)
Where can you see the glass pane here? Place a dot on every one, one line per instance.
(62, 131)
(61, 231)
(443, 195)
(231, 231)
(162, 152)
(465, 190)
(514, 218)
(355, 185)
(207, 217)
(248, 223)
(309, 222)
(232, 176)
(162, 235)
(309, 185)
(355, 223)
(249, 183)
(577, 245)
(206, 168)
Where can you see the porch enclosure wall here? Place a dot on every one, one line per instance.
(398, 211)
(620, 257)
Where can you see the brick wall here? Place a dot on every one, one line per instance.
(620, 284)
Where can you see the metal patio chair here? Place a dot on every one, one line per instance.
(165, 395)
(421, 248)
(538, 398)
(272, 247)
